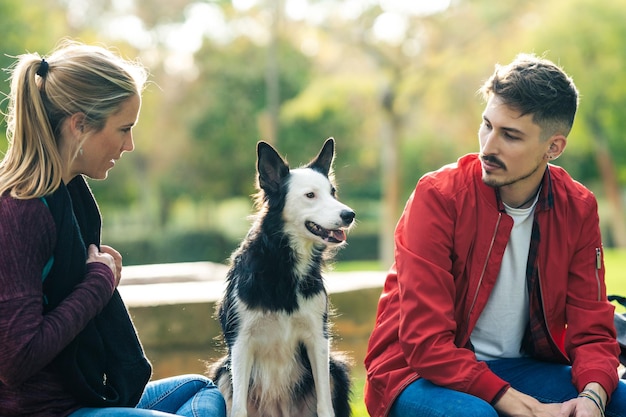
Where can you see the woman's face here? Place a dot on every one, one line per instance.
(101, 150)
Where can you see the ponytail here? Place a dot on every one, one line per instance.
(75, 78)
(32, 165)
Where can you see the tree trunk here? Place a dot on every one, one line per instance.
(612, 190)
(390, 174)
(608, 174)
(272, 75)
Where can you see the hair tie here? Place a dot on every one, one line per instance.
(43, 68)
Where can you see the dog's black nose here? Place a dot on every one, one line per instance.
(347, 216)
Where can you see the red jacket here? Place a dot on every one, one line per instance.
(449, 246)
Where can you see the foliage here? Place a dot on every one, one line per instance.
(200, 122)
(615, 264)
(335, 107)
(198, 127)
(21, 27)
(587, 41)
(226, 118)
(173, 246)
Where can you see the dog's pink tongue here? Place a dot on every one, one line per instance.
(339, 235)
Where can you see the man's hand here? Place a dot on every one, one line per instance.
(516, 404)
(590, 403)
(580, 407)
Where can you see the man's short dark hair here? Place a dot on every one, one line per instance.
(536, 86)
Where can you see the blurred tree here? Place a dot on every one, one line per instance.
(228, 107)
(200, 141)
(587, 39)
(426, 75)
(398, 105)
(272, 72)
(39, 26)
(27, 29)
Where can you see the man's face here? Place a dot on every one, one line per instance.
(511, 149)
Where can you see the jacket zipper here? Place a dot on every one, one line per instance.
(598, 268)
(493, 239)
(482, 274)
(545, 318)
(543, 305)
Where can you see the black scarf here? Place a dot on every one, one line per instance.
(104, 366)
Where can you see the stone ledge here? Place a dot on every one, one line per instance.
(173, 272)
(199, 282)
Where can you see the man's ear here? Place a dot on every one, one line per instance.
(558, 143)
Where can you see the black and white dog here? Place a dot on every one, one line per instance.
(274, 314)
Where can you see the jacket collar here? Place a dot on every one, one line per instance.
(546, 195)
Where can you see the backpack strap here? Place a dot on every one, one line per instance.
(48, 266)
(620, 328)
(621, 300)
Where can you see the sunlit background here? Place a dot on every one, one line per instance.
(394, 81)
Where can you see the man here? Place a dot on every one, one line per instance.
(496, 302)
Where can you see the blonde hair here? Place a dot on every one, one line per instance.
(74, 78)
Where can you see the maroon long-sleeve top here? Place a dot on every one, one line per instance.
(30, 339)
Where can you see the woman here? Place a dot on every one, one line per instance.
(68, 345)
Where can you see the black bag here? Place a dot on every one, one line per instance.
(620, 327)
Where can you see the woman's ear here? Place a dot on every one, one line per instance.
(77, 124)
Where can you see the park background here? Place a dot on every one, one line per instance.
(394, 81)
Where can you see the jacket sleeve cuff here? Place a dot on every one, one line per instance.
(499, 395)
(608, 382)
(489, 387)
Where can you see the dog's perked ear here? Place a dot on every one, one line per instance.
(271, 167)
(323, 162)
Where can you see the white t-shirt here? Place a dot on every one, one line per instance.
(501, 326)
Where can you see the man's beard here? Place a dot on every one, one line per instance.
(492, 182)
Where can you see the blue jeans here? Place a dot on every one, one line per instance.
(547, 382)
(186, 395)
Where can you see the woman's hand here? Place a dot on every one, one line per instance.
(108, 256)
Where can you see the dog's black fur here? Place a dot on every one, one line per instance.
(275, 278)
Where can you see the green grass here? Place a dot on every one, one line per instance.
(349, 266)
(357, 404)
(614, 259)
(615, 263)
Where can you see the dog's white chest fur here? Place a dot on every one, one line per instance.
(273, 338)
(269, 327)
(268, 344)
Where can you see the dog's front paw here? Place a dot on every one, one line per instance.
(325, 412)
(238, 413)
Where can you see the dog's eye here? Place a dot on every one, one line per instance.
(333, 191)
(310, 195)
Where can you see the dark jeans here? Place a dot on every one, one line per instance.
(547, 382)
(185, 395)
